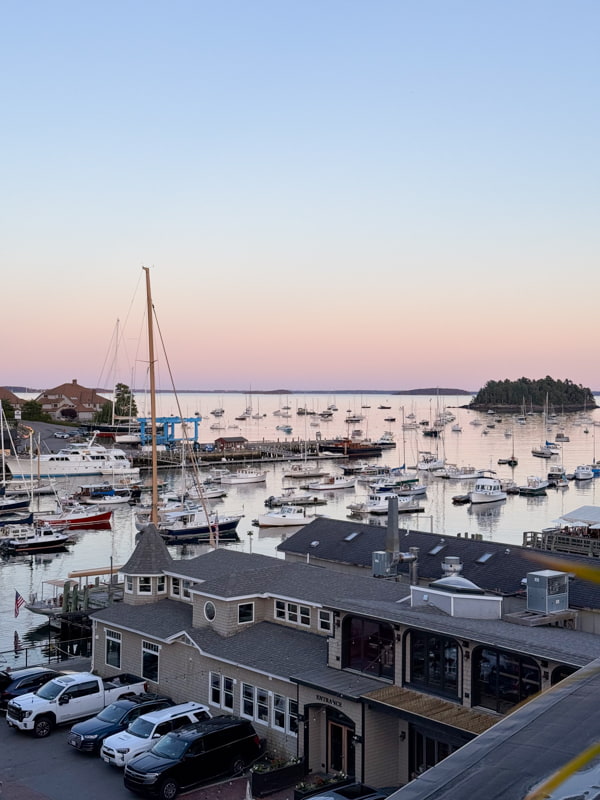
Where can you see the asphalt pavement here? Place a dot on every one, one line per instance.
(49, 769)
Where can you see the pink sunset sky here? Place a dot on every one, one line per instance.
(329, 196)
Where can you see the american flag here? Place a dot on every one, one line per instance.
(19, 601)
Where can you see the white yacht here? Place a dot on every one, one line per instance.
(88, 458)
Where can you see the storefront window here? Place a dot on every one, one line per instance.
(434, 662)
(502, 679)
(368, 646)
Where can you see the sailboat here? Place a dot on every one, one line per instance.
(512, 461)
(187, 522)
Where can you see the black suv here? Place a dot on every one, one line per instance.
(192, 755)
(14, 683)
(89, 734)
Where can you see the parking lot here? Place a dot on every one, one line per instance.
(49, 769)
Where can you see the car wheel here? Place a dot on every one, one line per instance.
(237, 766)
(43, 727)
(168, 789)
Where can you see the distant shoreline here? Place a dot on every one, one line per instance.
(391, 392)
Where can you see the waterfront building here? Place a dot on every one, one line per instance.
(376, 678)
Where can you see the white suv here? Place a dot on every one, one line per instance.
(143, 732)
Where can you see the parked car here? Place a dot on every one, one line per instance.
(88, 735)
(14, 683)
(143, 732)
(354, 791)
(192, 755)
(61, 435)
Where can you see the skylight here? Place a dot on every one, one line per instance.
(351, 536)
(437, 549)
(483, 558)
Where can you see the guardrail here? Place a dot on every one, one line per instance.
(42, 654)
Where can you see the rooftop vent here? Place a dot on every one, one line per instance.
(451, 565)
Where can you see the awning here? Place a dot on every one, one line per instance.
(584, 515)
(432, 708)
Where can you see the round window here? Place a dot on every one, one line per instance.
(210, 611)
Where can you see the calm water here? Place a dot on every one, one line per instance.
(504, 523)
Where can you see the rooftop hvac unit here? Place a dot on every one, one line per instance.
(382, 562)
(547, 591)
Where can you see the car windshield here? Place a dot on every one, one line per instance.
(50, 690)
(112, 713)
(170, 746)
(141, 727)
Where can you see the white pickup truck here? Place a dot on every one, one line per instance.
(68, 698)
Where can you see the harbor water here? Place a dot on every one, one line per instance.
(476, 445)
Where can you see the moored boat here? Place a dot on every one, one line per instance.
(283, 517)
(86, 458)
(33, 538)
(487, 490)
(76, 515)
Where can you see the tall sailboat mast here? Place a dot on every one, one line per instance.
(151, 362)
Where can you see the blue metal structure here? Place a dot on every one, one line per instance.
(166, 429)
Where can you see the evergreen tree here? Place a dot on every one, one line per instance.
(33, 411)
(8, 408)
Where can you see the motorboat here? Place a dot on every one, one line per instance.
(76, 515)
(487, 490)
(583, 472)
(74, 459)
(386, 440)
(456, 473)
(284, 516)
(333, 482)
(291, 497)
(534, 487)
(305, 470)
(378, 503)
(244, 475)
(102, 494)
(33, 538)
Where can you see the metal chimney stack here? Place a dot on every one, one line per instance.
(392, 538)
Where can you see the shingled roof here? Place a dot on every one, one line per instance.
(151, 556)
(495, 567)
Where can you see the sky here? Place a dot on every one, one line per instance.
(329, 195)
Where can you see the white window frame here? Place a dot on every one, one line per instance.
(129, 584)
(116, 637)
(243, 699)
(325, 620)
(175, 587)
(146, 587)
(221, 687)
(285, 710)
(294, 613)
(154, 649)
(161, 584)
(248, 621)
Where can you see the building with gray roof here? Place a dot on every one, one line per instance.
(379, 678)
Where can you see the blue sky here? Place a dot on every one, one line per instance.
(400, 193)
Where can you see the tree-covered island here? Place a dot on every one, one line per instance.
(534, 395)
